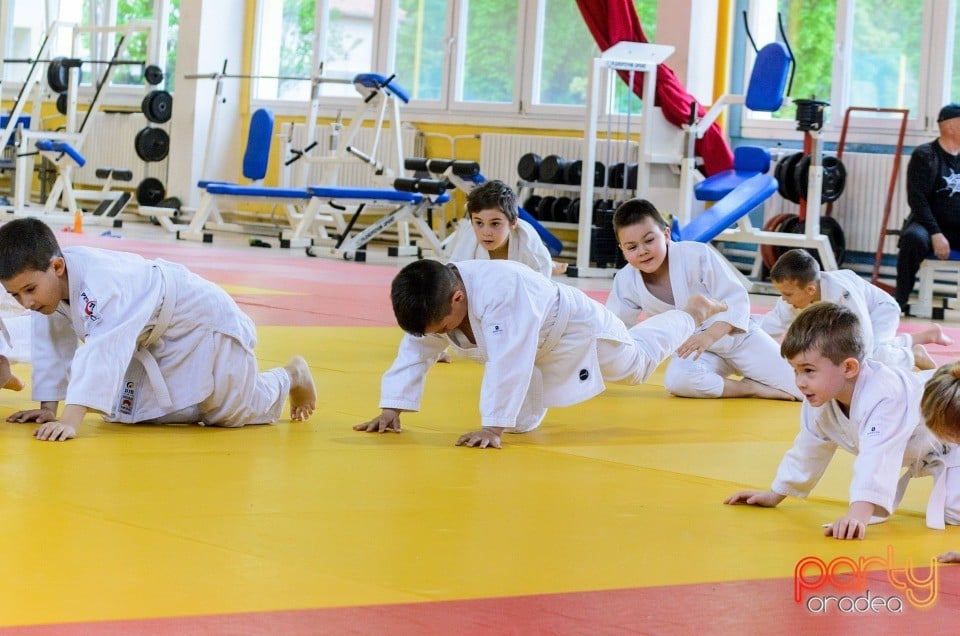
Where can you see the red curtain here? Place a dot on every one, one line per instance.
(612, 21)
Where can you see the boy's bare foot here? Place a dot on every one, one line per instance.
(747, 387)
(444, 357)
(700, 307)
(559, 268)
(8, 380)
(932, 335)
(922, 359)
(303, 392)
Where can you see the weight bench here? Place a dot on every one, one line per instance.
(738, 201)
(926, 307)
(255, 159)
(66, 158)
(403, 207)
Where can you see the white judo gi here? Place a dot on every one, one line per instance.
(747, 350)
(525, 246)
(878, 312)
(160, 344)
(885, 431)
(15, 337)
(543, 344)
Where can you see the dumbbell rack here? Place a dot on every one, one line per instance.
(526, 188)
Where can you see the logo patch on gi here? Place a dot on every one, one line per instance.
(584, 375)
(496, 330)
(126, 402)
(873, 432)
(89, 307)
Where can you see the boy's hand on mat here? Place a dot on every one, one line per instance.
(846, 528)
(33, 415)
(488, 437)
(388, 420)
(764, 498)
(949, 557)
(55, 432)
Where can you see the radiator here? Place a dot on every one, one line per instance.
(354, 173)
(110, 144)
(859, 210)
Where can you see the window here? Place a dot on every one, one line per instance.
(484, 57)
(25, 25)
(295, 36)
(422, 47)
(864, 53)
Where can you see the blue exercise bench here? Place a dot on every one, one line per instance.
(404, 207)
(256, 157)
(734, 193)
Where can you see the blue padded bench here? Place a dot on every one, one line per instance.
(251, 191)
(376, 81)
(747, 162)
(49, 145)
(372, 194)
(722, 214)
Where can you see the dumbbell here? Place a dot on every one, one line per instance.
(573, 175)
(551, 169)
(560, 209)
(528, 169)
(532, 205)
(546, 208)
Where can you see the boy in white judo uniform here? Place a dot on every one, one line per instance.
(798, 278)
(159, 343)
(867, 408)
(498, 233)
(661, 275)
(542, 344)
(940, 406)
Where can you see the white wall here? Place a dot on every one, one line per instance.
(222, 24)
(690, 26)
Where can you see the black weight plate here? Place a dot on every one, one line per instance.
(153, 74)
(62, 103)
(58, 75)
(551, 169)
(790, 191)
(152, 144)
(157, 106)
(150, 191)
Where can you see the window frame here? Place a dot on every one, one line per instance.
(124, 95)
(933, 85)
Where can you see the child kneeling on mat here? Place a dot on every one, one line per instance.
(499, 233)
(542, 344)
(159, 343)
(868, 409)
(798, 278)
(659, 276)
(940, 406)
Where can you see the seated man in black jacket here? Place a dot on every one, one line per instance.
(933, 193)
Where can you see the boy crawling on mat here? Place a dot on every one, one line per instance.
(542, 343)
(159, 343)
(864, 407)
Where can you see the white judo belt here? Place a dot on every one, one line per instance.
(143, 355)
(938, 465)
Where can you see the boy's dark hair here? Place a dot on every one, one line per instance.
(829, 328)
(421, 294)
(490, 195)
(940, 403)
(796, 265)
(26, 245)
(634, 211)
